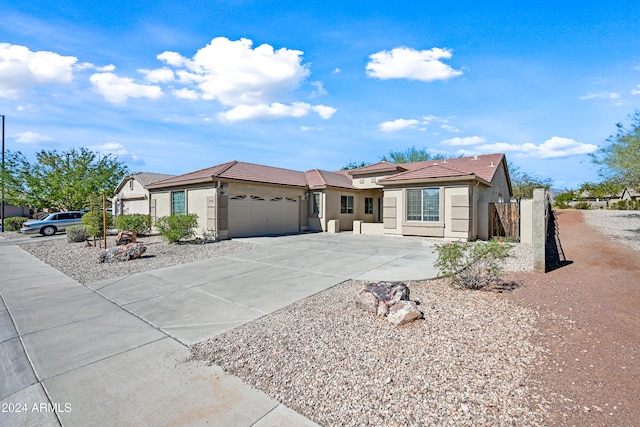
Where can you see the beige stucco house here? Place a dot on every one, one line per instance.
(132, 196)
(443, 198)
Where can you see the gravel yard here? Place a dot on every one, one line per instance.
(623, 226)
(465, 364)
(80, 262)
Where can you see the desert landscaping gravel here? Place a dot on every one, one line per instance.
(623, 226)
(80, 260)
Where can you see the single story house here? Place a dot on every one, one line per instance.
(132, 196)
(440, 198)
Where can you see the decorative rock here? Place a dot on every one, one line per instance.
(125, 237)
(385, 298)
(122, 253)
(403, 312)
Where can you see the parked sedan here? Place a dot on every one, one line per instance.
(53, 223)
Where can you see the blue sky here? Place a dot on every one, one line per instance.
(171, 87)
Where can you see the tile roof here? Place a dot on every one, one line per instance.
(243, 172)
(318, 178)
(483, 166)
(383, 166)
(148, 177)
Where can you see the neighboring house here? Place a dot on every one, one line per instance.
(132, 196)
(630, 194)
(444, 198)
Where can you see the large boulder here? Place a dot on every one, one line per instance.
(385, 298)
(122, 253)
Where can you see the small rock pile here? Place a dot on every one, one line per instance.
(389, 299)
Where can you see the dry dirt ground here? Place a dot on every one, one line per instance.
(590, 325)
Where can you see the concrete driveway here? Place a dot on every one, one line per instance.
(114, 352)
(195, 301)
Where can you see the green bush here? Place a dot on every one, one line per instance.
(582, 205)
(93, 220)
(177, 227)
(626, 205)
(139, 224)
(76, 233)
(472, 265)
(13, 223)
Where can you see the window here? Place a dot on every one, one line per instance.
(423, 204)
(177, 203)
(130, 184)
(315, 204)
(346, 204)
(368, 205)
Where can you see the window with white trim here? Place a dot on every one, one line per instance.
(346, 204)
(423, 204)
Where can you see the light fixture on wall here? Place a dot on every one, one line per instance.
(223, 189)
(306, 196)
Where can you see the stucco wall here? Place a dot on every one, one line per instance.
(133, 200)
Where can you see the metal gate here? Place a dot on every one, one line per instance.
(505, 220)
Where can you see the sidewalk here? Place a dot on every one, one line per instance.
(71, 357)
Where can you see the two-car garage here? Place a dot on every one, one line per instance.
(261, 215)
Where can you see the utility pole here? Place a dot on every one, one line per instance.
(2, 208)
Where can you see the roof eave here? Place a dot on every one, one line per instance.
(466, 178)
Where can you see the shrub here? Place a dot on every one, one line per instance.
(13, 223)
(582, 205)
(76, 233)
(177, 227)
(93, 220)
(472, 265)
(139, 224)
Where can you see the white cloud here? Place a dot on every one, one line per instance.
(275, 110)
(32, 138)
(398, 124)
(407, 63)
(636, 91)
(553, 147)
(186, 94)
(310, 128)
(20, 68)
(450, 128)
(89, 66)
(337, 70)
(614, 97)
(117, 150)
(235, 74)
(253, 82)
(464, 141)
(319, 89)
(159, 75)
(117, 89)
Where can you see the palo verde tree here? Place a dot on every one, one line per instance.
(409, 155)
(620, 159)
(64, 181)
